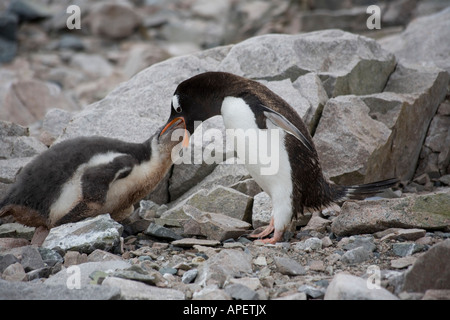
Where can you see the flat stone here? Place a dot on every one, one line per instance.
(161, 232)
(424, 211)
(289, 266)
(38, 291)
(357, 255)
(190, 242)
(133, 290)
(214, 226)
(348, 287)
(403, 262)
(100, 232)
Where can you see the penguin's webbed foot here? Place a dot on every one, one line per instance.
(277, 237)
(39, 235)
(268, 230)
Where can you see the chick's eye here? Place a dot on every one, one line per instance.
(178, 109)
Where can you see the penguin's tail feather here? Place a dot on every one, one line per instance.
(362, 191)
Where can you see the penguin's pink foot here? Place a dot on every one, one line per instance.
(39, 236)
(268, 230)
(277, 237)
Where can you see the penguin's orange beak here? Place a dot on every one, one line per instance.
(185, 142)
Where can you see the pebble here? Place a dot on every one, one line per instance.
(289, 266)
(357, 255)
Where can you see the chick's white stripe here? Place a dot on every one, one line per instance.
(71, 192)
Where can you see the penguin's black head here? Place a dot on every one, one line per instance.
(199, 98)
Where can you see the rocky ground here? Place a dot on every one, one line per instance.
(376, 109)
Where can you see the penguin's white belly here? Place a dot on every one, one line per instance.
(264, 155)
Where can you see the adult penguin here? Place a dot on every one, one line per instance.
(247, 106)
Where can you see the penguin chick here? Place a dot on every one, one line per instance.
(86, 177)
(247, 105)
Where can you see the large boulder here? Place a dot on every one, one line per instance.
(427, 211)
(425, 41)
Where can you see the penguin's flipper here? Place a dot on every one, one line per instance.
(280, 121)
(96, 180)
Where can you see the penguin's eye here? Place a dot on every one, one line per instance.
(176, 104)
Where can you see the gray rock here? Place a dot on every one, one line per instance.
(190, 242)
(226, 263)
(213, 226)
(100, 232)
(308, 245)
(430, 271)
(357, 255)
(221, 200)
(211, 292)
(417, 211)
(21, 106)
(161, 232)
(6, 260)
(251, 188)
(36, 291)
(261, 210)
(347, 132)
(113, 20)
(14, 272)
(423, 89)
(311, 291)
(289, 266)
(189, 276)
(417, 45)
(10, 168)
(348, 287)
(16, 230)
(367, 242)
(80, 275)
(133, 290)
(277, 57)
(241, 292)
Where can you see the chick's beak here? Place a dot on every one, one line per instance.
(176, 121)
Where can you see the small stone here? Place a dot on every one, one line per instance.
(360, 241)
(317, 224)
(289, 266)
(404, 249)
(316, 265)
(311, 291)
(403, 262)
(190, 242)
(189, 276)
(211, 292)
(326, 242)
(437, 295)
(241, 292)
(162, 232)
(14, 272)
(294, 296)
(260, 261)
(7, 260)
(405, 234)
(311, 244)
(357, 255)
